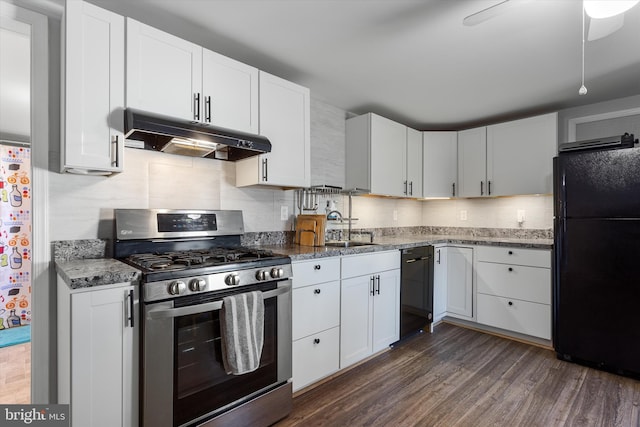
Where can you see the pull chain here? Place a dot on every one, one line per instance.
(583, 89)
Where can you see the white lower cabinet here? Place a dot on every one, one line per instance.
(369, 305)
(315, 320)
(98, 354)
(315, 357)
(514, 289)
(439, 282)
(459, 268)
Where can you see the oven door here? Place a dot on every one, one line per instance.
(183, 378)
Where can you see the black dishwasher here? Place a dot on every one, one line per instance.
(416, 290)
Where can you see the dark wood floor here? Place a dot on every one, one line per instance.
(461, 377)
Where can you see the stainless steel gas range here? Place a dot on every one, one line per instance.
(190, 260)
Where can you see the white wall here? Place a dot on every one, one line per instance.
(82, 206)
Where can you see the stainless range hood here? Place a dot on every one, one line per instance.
(188, 138)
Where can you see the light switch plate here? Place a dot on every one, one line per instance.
(463, 215)
(284, 213)
(395, 215)
(521, 216)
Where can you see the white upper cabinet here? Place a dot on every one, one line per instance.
(472, 166)
(508, 158)
(93, 89)
(440, 163)
(164, 72)
(171, 76)
(230, 93)
(285, 121)
(520, 155)
(381, 156)
(414, 155)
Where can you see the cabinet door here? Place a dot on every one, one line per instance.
(440, 163)
(388, 157)
(414, 163)
(230, 92)
(284, 119)
(460, 282)
(315, 357)
(472, 162)
(93, 89)
(355, 319)
(440, 283)
(386, 304)
(164, 72)
(315, 308)
(520, 155)
(104, 354)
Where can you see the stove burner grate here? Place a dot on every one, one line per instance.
(180, 260)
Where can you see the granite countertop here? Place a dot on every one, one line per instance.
(86, 263)
(386, 243)
(85, 273)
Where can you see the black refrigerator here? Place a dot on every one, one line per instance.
(596, 270)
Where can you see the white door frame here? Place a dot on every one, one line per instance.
(41, 254)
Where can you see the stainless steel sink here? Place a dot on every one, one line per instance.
(347, 243)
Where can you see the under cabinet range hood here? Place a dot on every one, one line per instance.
(189, 138)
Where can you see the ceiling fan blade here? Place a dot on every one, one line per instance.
(486, 14)
(602, 27)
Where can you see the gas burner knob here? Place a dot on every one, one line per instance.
(277, 273)
(177, 287)
(261, 275)
(197, 285)
(232, 280)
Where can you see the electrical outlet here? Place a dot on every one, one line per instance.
(520, 216)
(395, 215)
(284, 213)
(463, 215)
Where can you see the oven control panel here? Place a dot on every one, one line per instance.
(173, 288)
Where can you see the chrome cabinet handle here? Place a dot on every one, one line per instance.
(438, 256)
(489, 187)
(378, 279)
(372, 285)
(265, 166)
(114, 150)
(163, 313)
(482, 188)
(317, 267)
(129, 317)
(405, 187)
(207, 109)
(316, 291)
(196, 106)
(453, 193)
(411, 188)
(316, 341)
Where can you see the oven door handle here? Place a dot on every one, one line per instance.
(164, 313)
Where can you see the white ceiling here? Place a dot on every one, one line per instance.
(413, 60)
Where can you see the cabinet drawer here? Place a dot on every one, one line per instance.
(518, 256)
(315, 357)
(316, 271)
(315, 308)
(514, 281)
(359, 265)
(514, 315)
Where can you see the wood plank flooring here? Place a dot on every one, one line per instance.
(15, 374)
(461, 377)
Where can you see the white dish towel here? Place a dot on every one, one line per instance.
(242, 331)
